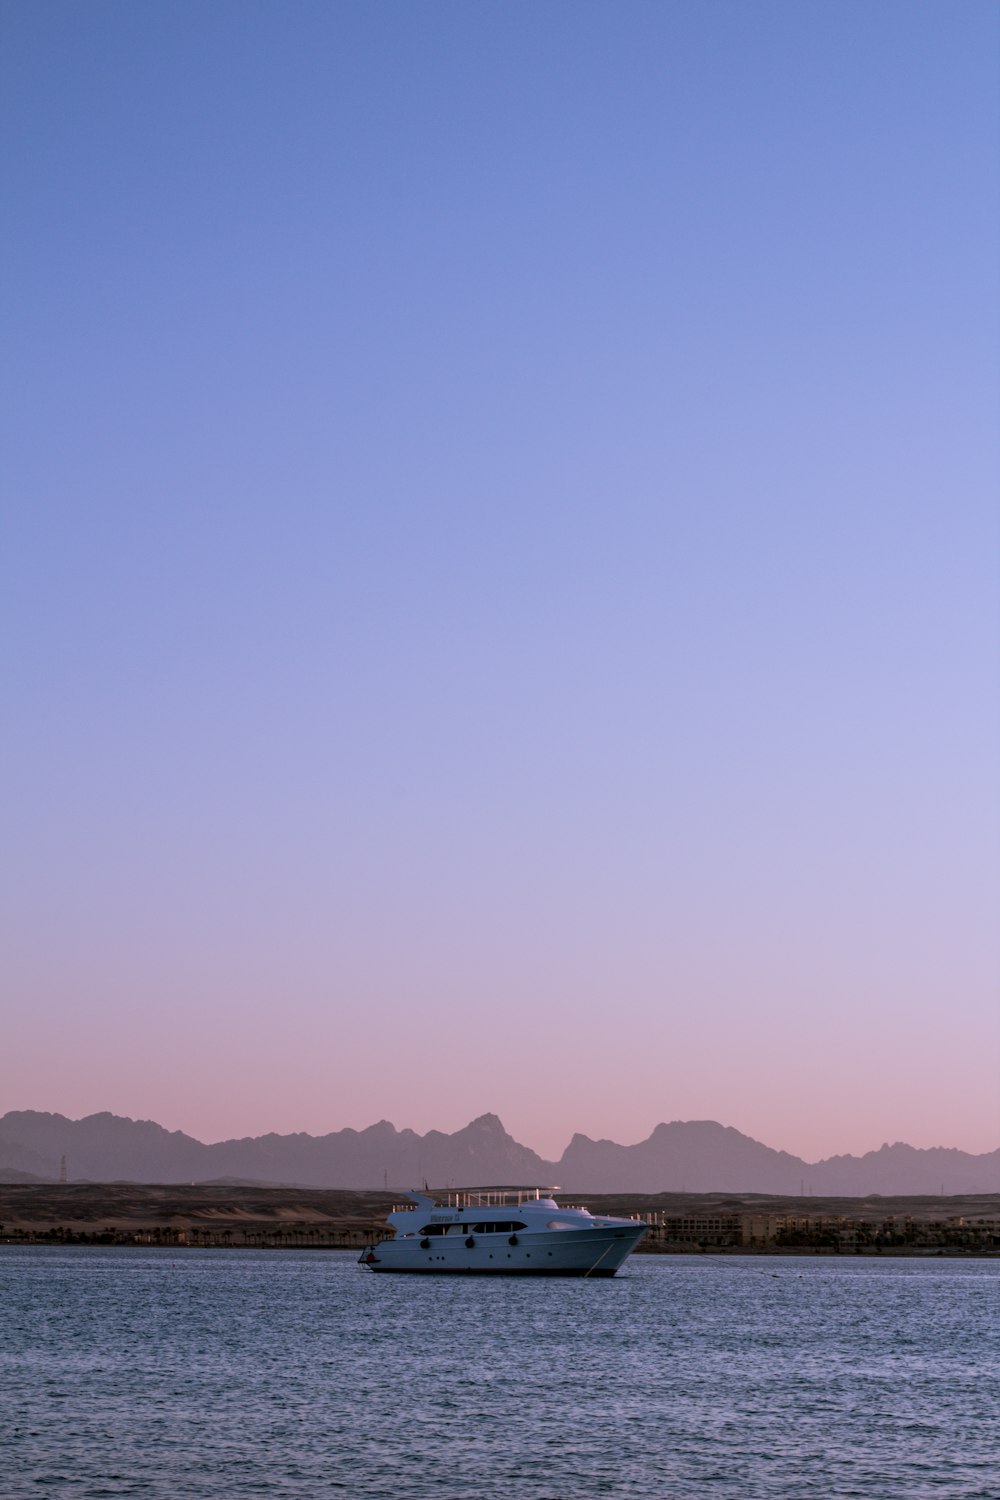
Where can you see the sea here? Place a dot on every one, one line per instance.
(294, 1375)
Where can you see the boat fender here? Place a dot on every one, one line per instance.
(512, 1240)
(425, 1244)
(371, 1259)
(469, 1242)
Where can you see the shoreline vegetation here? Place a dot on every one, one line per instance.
(250, 1217)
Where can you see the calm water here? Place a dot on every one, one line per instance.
(252, 1373)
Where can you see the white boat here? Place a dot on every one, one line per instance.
(502, 1231)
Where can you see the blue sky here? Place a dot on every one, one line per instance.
(500, 566)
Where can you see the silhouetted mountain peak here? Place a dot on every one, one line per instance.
(684, 1155)
(487, 1125)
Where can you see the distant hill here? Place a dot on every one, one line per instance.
(693, 1156)
(106, 1147)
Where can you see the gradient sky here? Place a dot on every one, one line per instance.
(500, 568)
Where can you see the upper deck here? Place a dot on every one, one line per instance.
(504, 1196)
(496, 1197)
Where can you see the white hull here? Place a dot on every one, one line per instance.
(597, 1251)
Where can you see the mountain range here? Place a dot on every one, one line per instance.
(692, 1156)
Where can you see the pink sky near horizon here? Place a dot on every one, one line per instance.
(234, 1089)
(500, 573)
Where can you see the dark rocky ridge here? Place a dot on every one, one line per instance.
(695, 1156)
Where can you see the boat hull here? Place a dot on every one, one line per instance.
(589, 1252)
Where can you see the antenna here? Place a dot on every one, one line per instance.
(62, 1169)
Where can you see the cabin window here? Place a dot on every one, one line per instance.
(489, 1226)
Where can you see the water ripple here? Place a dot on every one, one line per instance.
(241, 1374)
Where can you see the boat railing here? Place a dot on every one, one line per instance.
(495, 1197)
(485, 1197)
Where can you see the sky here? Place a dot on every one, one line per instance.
(500, 567)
